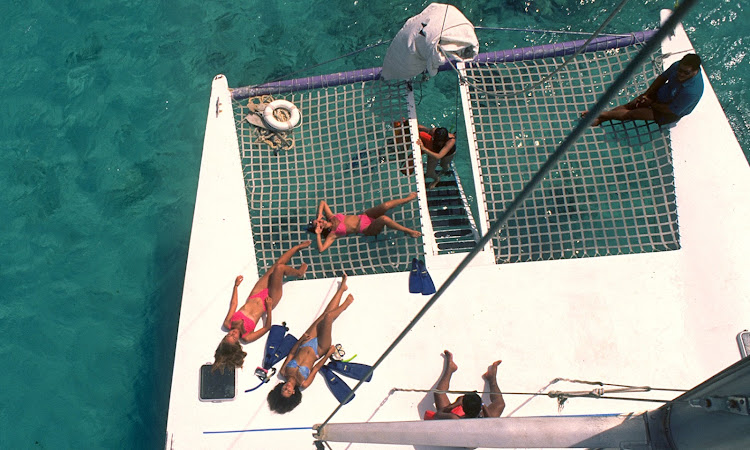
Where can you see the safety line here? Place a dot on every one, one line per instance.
(532, 30)
(570, 58)
(645, 52)
(289, 75)
(258, 429)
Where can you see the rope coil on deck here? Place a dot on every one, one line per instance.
(276, 139)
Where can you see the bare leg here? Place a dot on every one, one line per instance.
(444, 383)
(326, 325)
(312, 331)
(624, 114)
(445, 163)
(497, 405)
(377, 211)
(430, 171)
(381, 222)
(283, 260)
(628, 111)
(276, 280)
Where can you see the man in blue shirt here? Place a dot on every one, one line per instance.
(671, 96)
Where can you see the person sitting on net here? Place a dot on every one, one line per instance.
(672, 96)
(330, 226)
(470, 405)
(263, 298)
(439, 146)
(308, 355)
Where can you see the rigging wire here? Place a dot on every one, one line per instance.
(532, 30)
(287, 76)
(567, 61)
(639, 59)
(561, 396)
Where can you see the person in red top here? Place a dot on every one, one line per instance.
(440, 146)
(467, 406)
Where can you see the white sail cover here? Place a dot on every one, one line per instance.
(415, 47)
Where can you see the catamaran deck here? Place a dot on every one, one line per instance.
(663, 319)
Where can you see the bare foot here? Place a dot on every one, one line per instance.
(302, 269)
(343, 286)
(596, 121)
(434, 184)
(411, 196)
(450, 365)
(492, 370)
(304, 244)
(349, 300)
(414, 233)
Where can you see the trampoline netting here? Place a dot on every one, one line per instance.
(612, 193)
(347, 151)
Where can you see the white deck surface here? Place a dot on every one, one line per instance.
(665, 319)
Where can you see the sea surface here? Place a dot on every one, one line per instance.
(101, 129)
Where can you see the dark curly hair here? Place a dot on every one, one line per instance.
(228, 355)
(280, 404)
(472, 405)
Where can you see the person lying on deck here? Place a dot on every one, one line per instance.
(440, 146)
(328, 226)
(470, 405)
(671, 96)
(308, 355)
(264, 297)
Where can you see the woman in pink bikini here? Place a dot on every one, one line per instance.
(329, 226)
(263, 298)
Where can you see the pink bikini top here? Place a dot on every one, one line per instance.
(341, 228)
(247, 322)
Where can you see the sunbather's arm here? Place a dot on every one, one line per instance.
(323, 245)
(233, 302)
(323, 208)
(252, 337)
(317, 367)
(293, 352)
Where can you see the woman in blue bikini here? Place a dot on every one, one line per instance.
(329, 226)
(263, 298)
(308, 355)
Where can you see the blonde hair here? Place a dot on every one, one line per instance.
(228, 355)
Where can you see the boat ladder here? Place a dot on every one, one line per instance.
(450, 213)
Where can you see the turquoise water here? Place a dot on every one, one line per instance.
(102, 125)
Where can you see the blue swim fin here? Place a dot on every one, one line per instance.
(415, 281)
(338, 388)
(278, 345)
(351, 370)
(428, 287)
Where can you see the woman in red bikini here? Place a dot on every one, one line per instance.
(470, 405)
(263, 298)
(439, 146)
(329, 226)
